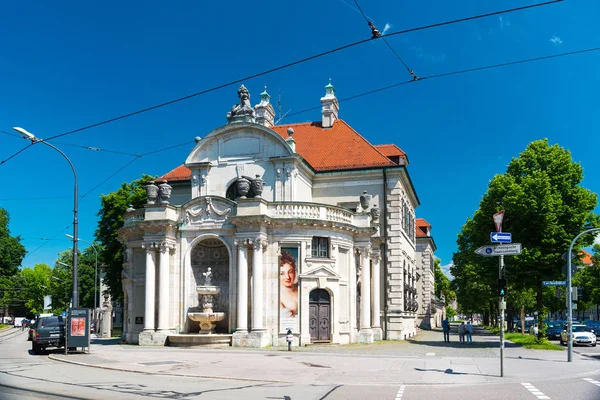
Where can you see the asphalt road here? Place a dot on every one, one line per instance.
(27, 376)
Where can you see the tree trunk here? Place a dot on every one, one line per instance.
(523, 320)
(540, 309)
(486, 318)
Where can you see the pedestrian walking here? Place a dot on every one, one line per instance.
(446, 329)
(462, 330)
(469, 329)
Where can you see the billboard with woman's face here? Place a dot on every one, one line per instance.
(288, 289)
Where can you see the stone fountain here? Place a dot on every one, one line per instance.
(207, 318)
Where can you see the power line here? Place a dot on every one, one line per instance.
(92, 148)
(458, 72)
(110, 176)
(303, 60)
(367, 93)
(376, 34)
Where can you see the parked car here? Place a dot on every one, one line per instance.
(553, 329)
(581, 335)
(32, 327)
(49, 332)
(594, 326)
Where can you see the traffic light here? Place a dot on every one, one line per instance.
(501, 287)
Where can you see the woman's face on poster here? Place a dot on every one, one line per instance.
(287, 275)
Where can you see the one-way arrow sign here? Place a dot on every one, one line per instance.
(500, 237)
(500, 250)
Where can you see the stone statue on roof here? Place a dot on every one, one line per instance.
(242, 112)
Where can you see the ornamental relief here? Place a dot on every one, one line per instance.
(208, 209)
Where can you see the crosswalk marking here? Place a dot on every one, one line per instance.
(535, 391)
(592, 381)
(400, 392)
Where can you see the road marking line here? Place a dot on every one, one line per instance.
(592, 381)
(535, 391)
(400, 392)
(430, 354)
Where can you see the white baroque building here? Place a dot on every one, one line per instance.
(301, 227)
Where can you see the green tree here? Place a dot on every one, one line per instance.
(545, 208)
(37, 282)
(111, 214)
(12, 251)
(450, 313)
(61, 283)
(587, 279)
(443, 286)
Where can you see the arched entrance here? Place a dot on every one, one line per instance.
(212, 253)
(320, 316)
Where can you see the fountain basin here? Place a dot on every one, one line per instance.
(200, 316)
(208, 290)
(208, 320)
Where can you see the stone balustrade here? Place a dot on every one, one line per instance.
(310, 211)
(132, 217)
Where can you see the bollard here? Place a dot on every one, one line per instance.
(289, 337)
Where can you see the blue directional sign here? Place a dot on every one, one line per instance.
(500, 237)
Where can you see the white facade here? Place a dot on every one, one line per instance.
(356, 266)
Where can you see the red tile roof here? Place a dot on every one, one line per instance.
(586, 258)
(389, 150)
(422, 222)
(422, 227)
(337, 148)
(181, 173)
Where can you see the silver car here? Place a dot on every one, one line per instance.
(581, 335)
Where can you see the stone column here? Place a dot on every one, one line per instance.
(257, 282)
(163, 288)
(242, 295)
(150, 277)
(365, 334)
(377, 331)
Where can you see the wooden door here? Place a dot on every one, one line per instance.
(320, 316)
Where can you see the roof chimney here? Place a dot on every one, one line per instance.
(330, 106)
(265, 113)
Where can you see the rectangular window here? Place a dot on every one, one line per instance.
(320, 247)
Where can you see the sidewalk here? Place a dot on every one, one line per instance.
(424, 360)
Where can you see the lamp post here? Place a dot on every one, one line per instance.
(95, 274)
(34, 139)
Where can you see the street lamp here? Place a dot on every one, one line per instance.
(95, 274)
(34, 139)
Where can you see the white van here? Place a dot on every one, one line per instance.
(19, 321)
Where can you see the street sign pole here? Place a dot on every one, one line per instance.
(501, 306)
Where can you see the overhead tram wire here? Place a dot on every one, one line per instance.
(381, 89)
(376, 34)
(103, 181)
(441, 75)
(458, 72)
(303, 60)
(91, 148)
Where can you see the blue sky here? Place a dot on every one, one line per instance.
(70, 64)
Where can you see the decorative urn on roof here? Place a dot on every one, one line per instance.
(257, 186)
(243, 187)
(151, 192)
(164, 190)
(365, 200)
